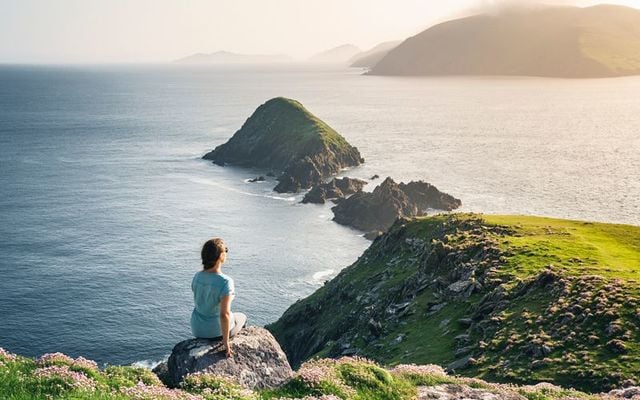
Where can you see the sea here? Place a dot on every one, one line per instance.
(105, 201)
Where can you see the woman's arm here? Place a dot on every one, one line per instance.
(225, 322)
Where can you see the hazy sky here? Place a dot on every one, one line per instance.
(94, 31)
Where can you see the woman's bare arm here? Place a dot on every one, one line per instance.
(225, 322)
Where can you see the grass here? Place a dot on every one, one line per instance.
(608, 250)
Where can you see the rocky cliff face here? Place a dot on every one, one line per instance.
(378, 210)
(258, 361)
(337, 188)
(282, 135)
(506, 298)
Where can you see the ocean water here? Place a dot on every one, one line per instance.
(105, 202)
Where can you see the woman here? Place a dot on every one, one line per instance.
(213, 292)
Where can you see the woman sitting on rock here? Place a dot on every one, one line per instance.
(213, 292)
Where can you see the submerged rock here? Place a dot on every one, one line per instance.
(337, 188)
(378, 210)
(257, 362)
(283, 135)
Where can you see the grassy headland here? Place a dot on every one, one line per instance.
(506, 298)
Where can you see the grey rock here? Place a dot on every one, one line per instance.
(465, 322)
(461, 363)
(626, 393)
(162, 371)
(398, 339)
(460, 392)
(258, 361)
(349, 352)
(435, 308)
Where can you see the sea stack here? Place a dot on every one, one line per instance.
(283, 135)
(376, 211)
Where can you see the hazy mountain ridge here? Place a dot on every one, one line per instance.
(571, 42)
(371, 57)
(336, 55)
(226, 57)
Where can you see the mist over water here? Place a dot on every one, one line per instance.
(105, 201)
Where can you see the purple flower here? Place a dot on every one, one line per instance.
(6, 356)
(421, 370)
(70, 379)
(143, 392)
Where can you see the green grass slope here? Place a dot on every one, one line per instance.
(572, 42)
(506, 298)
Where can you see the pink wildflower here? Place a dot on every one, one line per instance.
(72, 379)
(413, 369)
(63, 359)
(5, 355)
(143, 392)
(54, 358)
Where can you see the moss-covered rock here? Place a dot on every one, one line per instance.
(283, 135)
(507, 298)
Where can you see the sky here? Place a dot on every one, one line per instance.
(152, 31)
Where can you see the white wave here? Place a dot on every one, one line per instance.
(209, 182)
(321, 276)
(149, 364)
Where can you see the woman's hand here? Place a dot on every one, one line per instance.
(228, 351)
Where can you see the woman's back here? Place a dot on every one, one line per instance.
(208, 289)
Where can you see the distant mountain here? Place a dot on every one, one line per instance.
(369, 58)
(225, 57)
(337, 55)
(598, 41)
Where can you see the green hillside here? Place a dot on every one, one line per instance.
(506, 298)
(571, 42)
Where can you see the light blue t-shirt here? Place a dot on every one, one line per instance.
(208, 289)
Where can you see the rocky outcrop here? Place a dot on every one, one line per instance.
(284, 136)
(258, 361)
(378, 210)
(337, 188)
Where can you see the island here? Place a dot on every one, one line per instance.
(553, 41)
(282, 135)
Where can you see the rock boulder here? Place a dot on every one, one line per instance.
(337, 188)
(258, 361)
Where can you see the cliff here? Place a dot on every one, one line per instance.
(505, 298)
(282, 135)
(570, 42)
